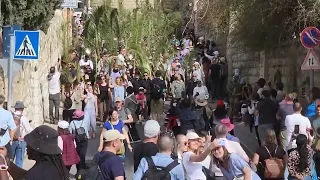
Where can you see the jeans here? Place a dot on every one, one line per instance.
(54, 102)
(82, 152)
(17, 152)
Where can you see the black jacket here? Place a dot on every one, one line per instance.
(146, 84)
(190, 86)
(136, 84)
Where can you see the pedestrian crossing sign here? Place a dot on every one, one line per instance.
(27, 45)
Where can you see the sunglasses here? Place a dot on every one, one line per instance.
(184, 143)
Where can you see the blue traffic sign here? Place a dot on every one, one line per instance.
(27, 45)
(310, 37)
(8, 31)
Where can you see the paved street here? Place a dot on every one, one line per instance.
(247, 139)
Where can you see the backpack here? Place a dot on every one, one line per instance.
(93, 170)
(17, 120)
(158, 173)
(274, 167)
(156, 92)
(80, 133)
(68, 101)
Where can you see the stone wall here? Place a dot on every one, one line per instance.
(30, 84)
(288, 59)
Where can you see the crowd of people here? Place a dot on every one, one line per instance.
(197, 140)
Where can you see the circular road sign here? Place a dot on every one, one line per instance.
(310, 37)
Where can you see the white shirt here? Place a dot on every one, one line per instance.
(203, 92)
(296, 119)
(25, 127)
(193, 169)
(120, 60)
(54, 83)
(206, 162)
(82, 62)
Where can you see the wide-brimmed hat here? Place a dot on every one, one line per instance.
(227, 122)
(43, 139)
(19, 105)
(201, 102)
(78, 114)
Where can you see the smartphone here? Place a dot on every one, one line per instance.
(296, 129)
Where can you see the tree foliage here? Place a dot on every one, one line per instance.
(146, 32)
(30, 14)
(263, 24)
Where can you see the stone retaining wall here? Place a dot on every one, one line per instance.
(30, 84)
(287, 59)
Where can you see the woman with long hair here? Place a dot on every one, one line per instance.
(299, 160)
(90, 111)
(118, 90)
(232, 166)
(269, 150)
(42, 147)
(115, 123)
(191, 160)
(316, 149)
(104, 97)
(68, 97)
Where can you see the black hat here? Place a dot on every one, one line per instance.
(43, 139)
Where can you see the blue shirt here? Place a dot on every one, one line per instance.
(6, 123)
(108, 126)
(232, 138)
(75, 124)
(113, 166)
(161, 160)
(236, 165)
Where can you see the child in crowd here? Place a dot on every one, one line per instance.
(142, 108)
(67, 144)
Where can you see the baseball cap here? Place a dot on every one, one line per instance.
(118, 99)
(151, 128)
(221, 142)
(63, 124)
(111, 135)
(192, 136)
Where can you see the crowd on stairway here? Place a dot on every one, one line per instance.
(193, 140)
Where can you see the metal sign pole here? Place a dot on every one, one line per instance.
(311, 79)
(10, 75)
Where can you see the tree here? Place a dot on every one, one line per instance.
(30, 14)
(145, 32)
